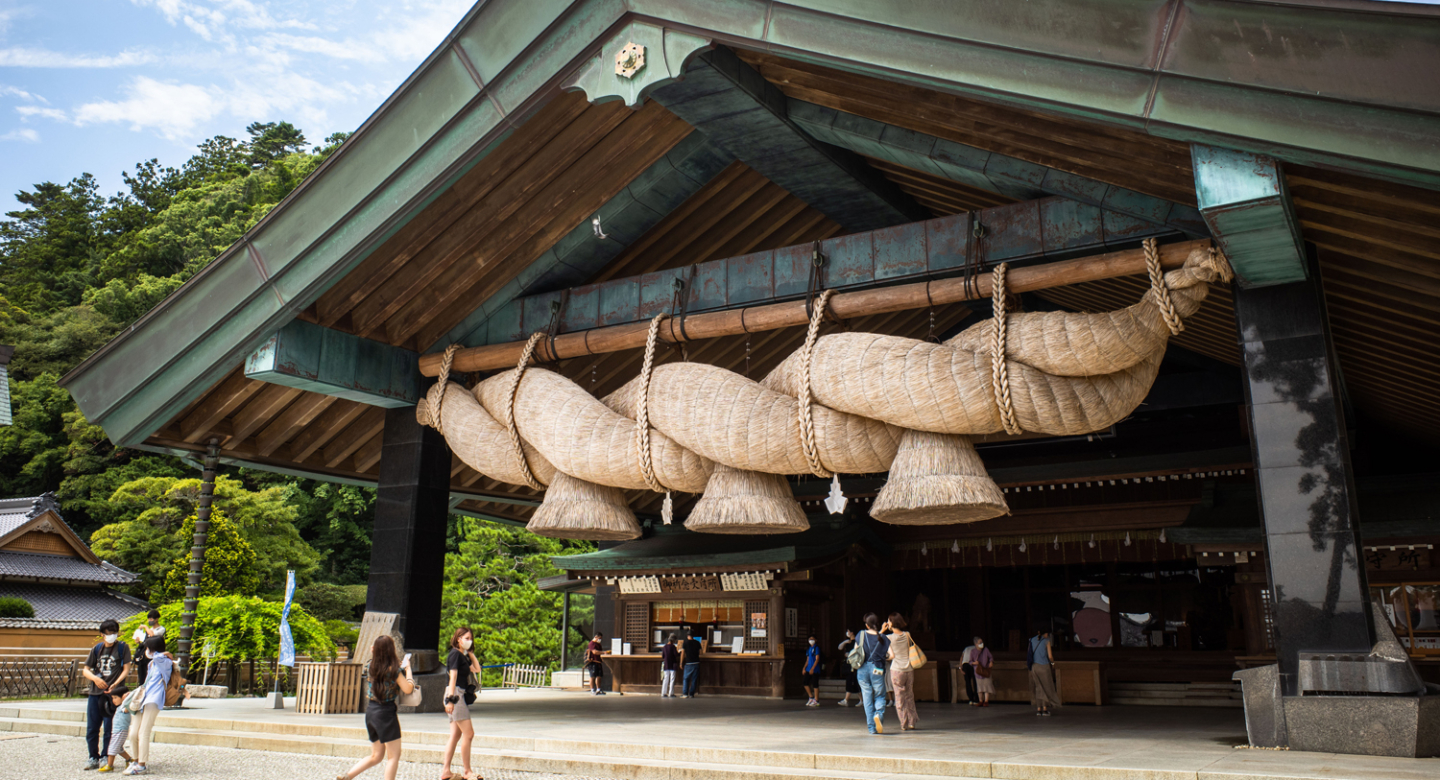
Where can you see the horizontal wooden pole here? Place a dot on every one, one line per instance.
(753, 319)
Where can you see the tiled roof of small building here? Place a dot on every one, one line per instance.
(59, 567)
(15, 512)
(84, 606)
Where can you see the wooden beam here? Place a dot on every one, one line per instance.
(325, 427)
(292, 421)
(344, 445)
(369, 453)
(266, 404)
(752, 319)
(228, 395)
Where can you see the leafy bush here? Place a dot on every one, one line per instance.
(329, 602)
(229, 562)
(340, 632)
(243, 628)
(15, 607)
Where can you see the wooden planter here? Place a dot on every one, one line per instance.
(327, 689)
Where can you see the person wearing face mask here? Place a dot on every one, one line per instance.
(106, 667)
(984, 662)
(810, 674)
(151, 628)
(152, 700)
(967, 669)
(459, 695)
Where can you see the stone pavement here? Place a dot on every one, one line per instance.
(51, 757)
(645, 737)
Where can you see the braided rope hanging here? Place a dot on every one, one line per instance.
(807, 422)
(642, 420)
(510, 428)
(999, 368)
(1162, 290)
(445, 363)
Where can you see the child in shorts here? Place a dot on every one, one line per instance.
(123, 700)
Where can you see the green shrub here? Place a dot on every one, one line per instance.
(341, 633)
(243, 628)
(332, 602)
(15, 607)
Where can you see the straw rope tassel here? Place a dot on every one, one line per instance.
(642, 421)
(445, 363)
(510, 412)
(999, 368)
(1162, 290)
(807, 422)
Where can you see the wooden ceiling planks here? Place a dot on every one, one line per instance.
(1128, 158)
(942, 197)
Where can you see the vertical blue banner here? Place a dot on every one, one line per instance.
(287, 642)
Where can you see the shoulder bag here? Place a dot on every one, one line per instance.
(917, 656)
(414, 697)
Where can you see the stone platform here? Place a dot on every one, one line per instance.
(645, 737)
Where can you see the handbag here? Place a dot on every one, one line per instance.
(917, 656)
(414, 697)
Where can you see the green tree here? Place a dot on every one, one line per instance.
(15, 607)
(48, 248)
(147, 535)
(229, 563)
(332, 602)
(490, 587)
(243, 628)
(269, 141)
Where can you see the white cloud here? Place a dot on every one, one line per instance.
(44, 58)
(49, 113)
(172, 110)
(23, 134)
(340, 50)
(9, 91)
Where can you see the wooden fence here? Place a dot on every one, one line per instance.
(522, 676)
(31, 679)
(324, 689)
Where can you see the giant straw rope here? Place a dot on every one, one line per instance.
(845, 403)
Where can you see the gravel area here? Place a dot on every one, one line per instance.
(49, 757)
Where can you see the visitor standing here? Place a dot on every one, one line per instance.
(902, 676)
(123, 701)
(593, 664)
(152, 701)
(1040, 659)
(967, 670)
(461, 664)
(872, 673)
(386, 677)
(810, 673)
(852, 684)
(669, 667)
(106, 667)
(690, 650)
(984, 662)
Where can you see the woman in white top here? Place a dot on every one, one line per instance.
(902, 677)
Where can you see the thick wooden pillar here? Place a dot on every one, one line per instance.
(407, 554)
(1302, 465)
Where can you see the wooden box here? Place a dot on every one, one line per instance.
(326, 689)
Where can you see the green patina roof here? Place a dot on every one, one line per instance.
(677, 548)
(1333, 85)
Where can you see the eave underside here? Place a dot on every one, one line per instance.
(1380, 269)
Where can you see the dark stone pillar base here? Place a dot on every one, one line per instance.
(1404, 726)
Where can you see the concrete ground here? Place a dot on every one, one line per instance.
(51, 757)
(570, 733)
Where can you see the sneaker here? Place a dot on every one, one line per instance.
(105, 768)
(93, 763)
(879, 727)
(135, 769)
(843, 703)
(599, 693)
(1046, 713)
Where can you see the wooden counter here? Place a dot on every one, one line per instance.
(721, 674)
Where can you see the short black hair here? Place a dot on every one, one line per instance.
(108, 626)
(154, 614)
(119, 690)
(156, 643)
(599, 633)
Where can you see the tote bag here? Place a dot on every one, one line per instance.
(917, 656)
(413, 698)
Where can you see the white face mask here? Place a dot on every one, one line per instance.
(466, 643)
(150, 654)
(979, 645)
(812, 642)
(110, 638)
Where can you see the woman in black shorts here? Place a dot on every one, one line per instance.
(385, 680)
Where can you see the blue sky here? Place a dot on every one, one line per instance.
(99, 85)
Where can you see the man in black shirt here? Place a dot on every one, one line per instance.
(106, 667)
(691, 650)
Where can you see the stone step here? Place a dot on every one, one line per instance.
(1177, 702)
(723, 765)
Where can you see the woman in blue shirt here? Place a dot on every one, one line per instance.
(872, 673)
(152, 699)
(810, 675)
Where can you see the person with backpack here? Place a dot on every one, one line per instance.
(106, 667)
(868, 660)
(852, 685)
(154, 697)
(902, 672)
(1040, 659)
